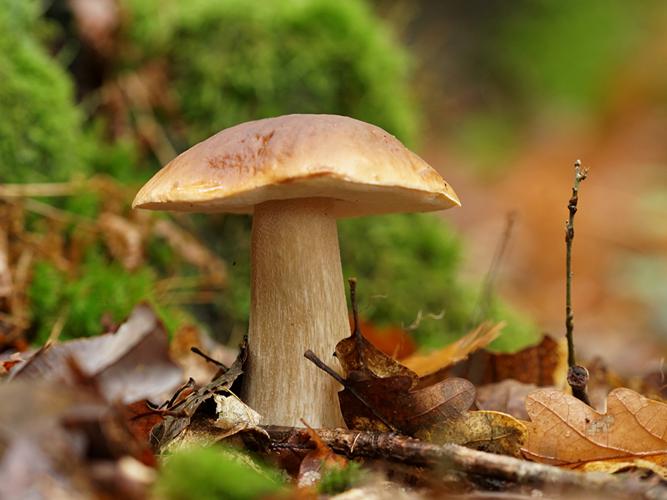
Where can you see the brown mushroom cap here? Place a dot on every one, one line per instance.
(361, 167)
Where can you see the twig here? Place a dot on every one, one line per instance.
(577, 376)
(484, 303)
(40, 189)
(208, 358)
(399, 448)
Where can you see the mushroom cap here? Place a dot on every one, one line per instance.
(360, 167)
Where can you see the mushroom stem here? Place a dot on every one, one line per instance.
(297, 303)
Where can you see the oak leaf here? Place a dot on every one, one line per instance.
(565, 431)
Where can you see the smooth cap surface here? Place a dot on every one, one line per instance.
(361, 167)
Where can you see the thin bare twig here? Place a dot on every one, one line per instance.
(577, 376)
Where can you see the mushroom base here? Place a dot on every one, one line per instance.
(297, 303)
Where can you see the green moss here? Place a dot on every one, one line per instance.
(215, 473)
(40, 134)
(99, 286)
(339, 479)
(230, 63)
(405, 264)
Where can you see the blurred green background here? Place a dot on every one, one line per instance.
(491, 93)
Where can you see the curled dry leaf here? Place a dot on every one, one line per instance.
(480, 337)
(612, 467)
(543, 364)
(179, 411)
(127, 366)
(565, 431)
(381, 394)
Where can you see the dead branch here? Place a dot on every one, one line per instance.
(399, 448)
(577, 376)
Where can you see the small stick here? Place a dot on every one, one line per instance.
(404, 449)
(577, 376)
(208, 358)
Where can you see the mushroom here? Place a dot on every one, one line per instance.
(297, 174)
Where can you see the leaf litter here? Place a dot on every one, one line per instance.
(380, 394)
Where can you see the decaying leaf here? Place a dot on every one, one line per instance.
(480, 337)
(565, 431)
(59, 441)
(397, 403)
(543, 364)
(613, 467)
(127, 366)
(317, 461)
(381, 394)
(194, 365)
(489, 431)
(180, 410)
(508, 396)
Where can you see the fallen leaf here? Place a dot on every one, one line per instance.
(508, 396)
(123, 239)
(180, 410)
(480, 337)
(393, 400)
(195, 366)
(60, 441)
(317, 461)
(489, 431)
(543, 364)
(565, 431)
(612, 467)
(356, 354)
(127, 366)
(381, 394)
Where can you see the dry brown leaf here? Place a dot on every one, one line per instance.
(381, 394)
(480, 337)
(123, 238)
(489, 431)
(129, 365)
(356, 354)
(195, 366)
(543, 364)
(392, 400)
(612, 467)
(317, 461)
(565, 431)
(182, 409)
(508, 396)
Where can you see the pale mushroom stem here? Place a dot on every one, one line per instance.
(297, 303)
